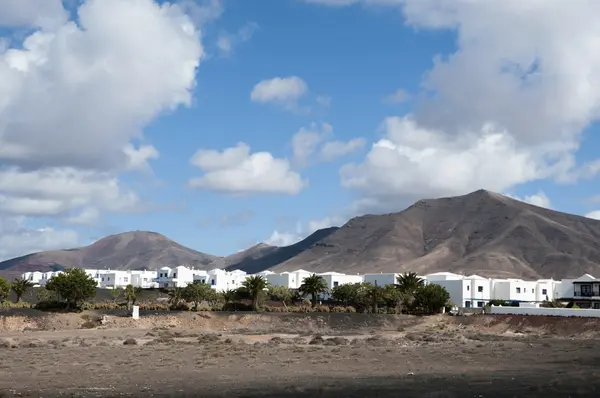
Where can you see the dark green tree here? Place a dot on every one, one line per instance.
(73, 285)
(131, 295)
(255, 286)
(346, 294)
(196, 293)
(20, 287)
(4, 289)
(313, 285)
(431, 299)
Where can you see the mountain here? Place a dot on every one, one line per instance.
(261, 257)
(125, 251)
(482, 232)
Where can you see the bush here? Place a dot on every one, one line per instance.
(237, 307)
(20, 304)
(50, 305)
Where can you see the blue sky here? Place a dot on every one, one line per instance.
(403, 100)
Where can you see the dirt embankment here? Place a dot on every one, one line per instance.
(305, 324)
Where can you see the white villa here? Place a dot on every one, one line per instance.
(465, 291)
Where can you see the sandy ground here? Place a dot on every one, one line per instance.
(208, 355)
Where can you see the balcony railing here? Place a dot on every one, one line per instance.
(586, 294)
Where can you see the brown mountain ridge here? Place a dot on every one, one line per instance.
(482, 232)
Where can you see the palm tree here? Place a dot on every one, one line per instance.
(313, 285)
(20, 287)
(255, 286)
(409, 282)
(175, 296)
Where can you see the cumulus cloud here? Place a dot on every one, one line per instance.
(594, 214)
(32, 13)
(303, 230)
(236, 170)
(17, 239)
(73, 98)
(506, 108)
(539, 199)
(281, 91)
(314, 143)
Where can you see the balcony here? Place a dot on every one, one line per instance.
(584, 294)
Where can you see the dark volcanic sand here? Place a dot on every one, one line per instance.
(178, 364)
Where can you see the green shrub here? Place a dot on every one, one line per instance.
(20, 304)
(50, 305)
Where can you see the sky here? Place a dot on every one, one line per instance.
(224, 123)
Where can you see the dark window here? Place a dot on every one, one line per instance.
(203, 280)
(335, 284)
(480, 304)
(518, 290)
(468, 304)
(212, 282)
(544, 291)
(175, 275)
(480, 289)
(468, 287)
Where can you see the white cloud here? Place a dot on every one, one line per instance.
(32, 13)
(506, 108)
(314, 142)
(226, 42)
(539, 199)
(397, 97)
(282, 91)
(594, 214)
(17, 239)
(73, 98)
(238, 171)
(303, 230)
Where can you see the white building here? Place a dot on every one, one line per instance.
(291, 280)
(381, 279)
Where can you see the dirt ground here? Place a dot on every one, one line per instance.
(297, 355)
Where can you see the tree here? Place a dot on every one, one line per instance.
(196, 293)
(408, 282)
(346, 294)
(131, 295)
(431, 298)
(374, 295)
(313, 285)
(20, 287)
(175, 296)
(73, 285)
(255, 286)
(4, 289)
(115, 293)
(281, 293)
(229, 296)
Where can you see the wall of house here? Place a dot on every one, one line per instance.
(456, 289)
(586, 313)
(381, 279)
(479, 291)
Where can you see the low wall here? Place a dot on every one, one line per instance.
(577, 312)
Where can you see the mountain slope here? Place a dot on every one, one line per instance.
(482, 232)
(261, 257)
(125, 251)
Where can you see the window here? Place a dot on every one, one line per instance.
(467, 304)
(480, 304)
(160, 275)
(175, 275)
(108, 279)
(518, 290)
(597, 306)
(203, 280)
(232, 282)
(480, 289)
(125, 279)
(335, 284)
(468, 287)
(212, 282)
(145, 279)
(532, 290)
(544, 291)
(102, 279)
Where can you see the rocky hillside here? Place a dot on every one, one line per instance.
(125, 251)
(482, 232)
